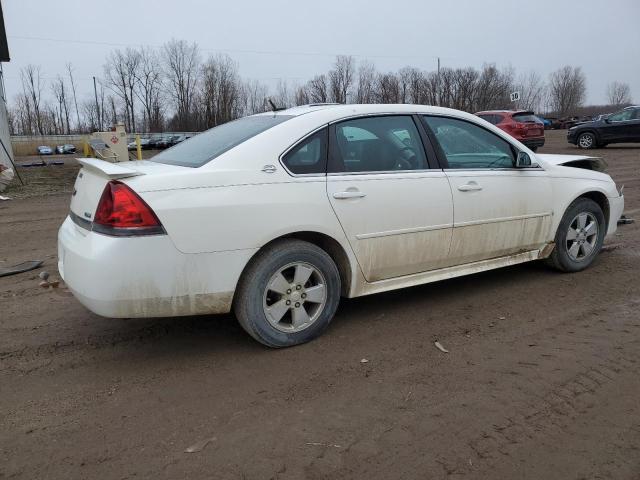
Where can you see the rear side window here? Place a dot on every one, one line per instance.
(309, 156)
(208, 145)
(526, 117)
(491, 118)
(469, 146)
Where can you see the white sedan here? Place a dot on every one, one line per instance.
(278, 215)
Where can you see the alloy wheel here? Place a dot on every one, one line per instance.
(294, 297)
(582, 236)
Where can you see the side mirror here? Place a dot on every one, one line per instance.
(523, 160)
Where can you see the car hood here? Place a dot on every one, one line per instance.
(575, 161)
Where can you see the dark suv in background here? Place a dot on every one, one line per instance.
(619, 127)
(522, 125)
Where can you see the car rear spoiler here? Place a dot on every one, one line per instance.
(106, 169)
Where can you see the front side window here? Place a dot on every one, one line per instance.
(466, 145)
(377, 144)
(622, 116)
(309, 156)
(204, 147)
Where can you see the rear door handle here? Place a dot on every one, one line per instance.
(349, 194)
(469, 187)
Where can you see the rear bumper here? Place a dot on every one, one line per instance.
(533, 142)
(121, 277)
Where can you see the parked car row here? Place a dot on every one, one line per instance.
(159, 142)
(61, 149)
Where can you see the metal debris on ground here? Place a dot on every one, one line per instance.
(3, 198)
(624, 220)
(440, 347)
(199, 446)
(364, 360)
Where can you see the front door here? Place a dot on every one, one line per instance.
(396, 212)
(499, 209)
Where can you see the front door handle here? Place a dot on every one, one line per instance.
(470, 187)
(349, 194)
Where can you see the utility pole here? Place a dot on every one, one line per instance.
(95, 93)
(438, 97)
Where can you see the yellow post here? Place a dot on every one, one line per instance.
(86, 149)
(138, 147)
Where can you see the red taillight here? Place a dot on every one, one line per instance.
(122, 212)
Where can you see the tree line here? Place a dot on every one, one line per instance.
(175, 89)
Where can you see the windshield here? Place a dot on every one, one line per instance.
(204, 147)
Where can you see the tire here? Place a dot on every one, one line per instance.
(587, 140)
(564, 256)
(269, 281)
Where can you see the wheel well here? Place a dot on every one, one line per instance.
(593, 132)
(601, 200)
(335, 251)
(329, 245)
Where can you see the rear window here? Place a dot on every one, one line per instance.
(208, 145)
(491, 118)
(526, 117)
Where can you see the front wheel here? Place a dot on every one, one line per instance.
(587, 140)
(288, 294)
(579, 237)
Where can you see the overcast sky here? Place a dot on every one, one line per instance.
(293, 40)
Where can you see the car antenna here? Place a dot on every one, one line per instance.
(273, 106)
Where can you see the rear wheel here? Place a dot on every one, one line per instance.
(288, 294)
(587, 140)
(579, 237)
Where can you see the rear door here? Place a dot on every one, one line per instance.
(499, 209)
(396, 211)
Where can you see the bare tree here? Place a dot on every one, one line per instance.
(182, 62)
(318, 89)
(567, 89)
(341, 78)
(301, 95)
(73, 90)
(121, 73)
(221, 91)
(148, 78)
(60, 94)
(387, 88)
(32, 89)
(365, 88)
(532, 91)
(618, 93)
(493, 88)
(255, 96)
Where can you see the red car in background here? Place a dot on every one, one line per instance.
(522, 125)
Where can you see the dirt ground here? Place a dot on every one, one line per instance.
(541, 381)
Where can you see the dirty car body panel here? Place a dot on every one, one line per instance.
(433, 214)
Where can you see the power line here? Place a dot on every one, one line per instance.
(224, 50)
